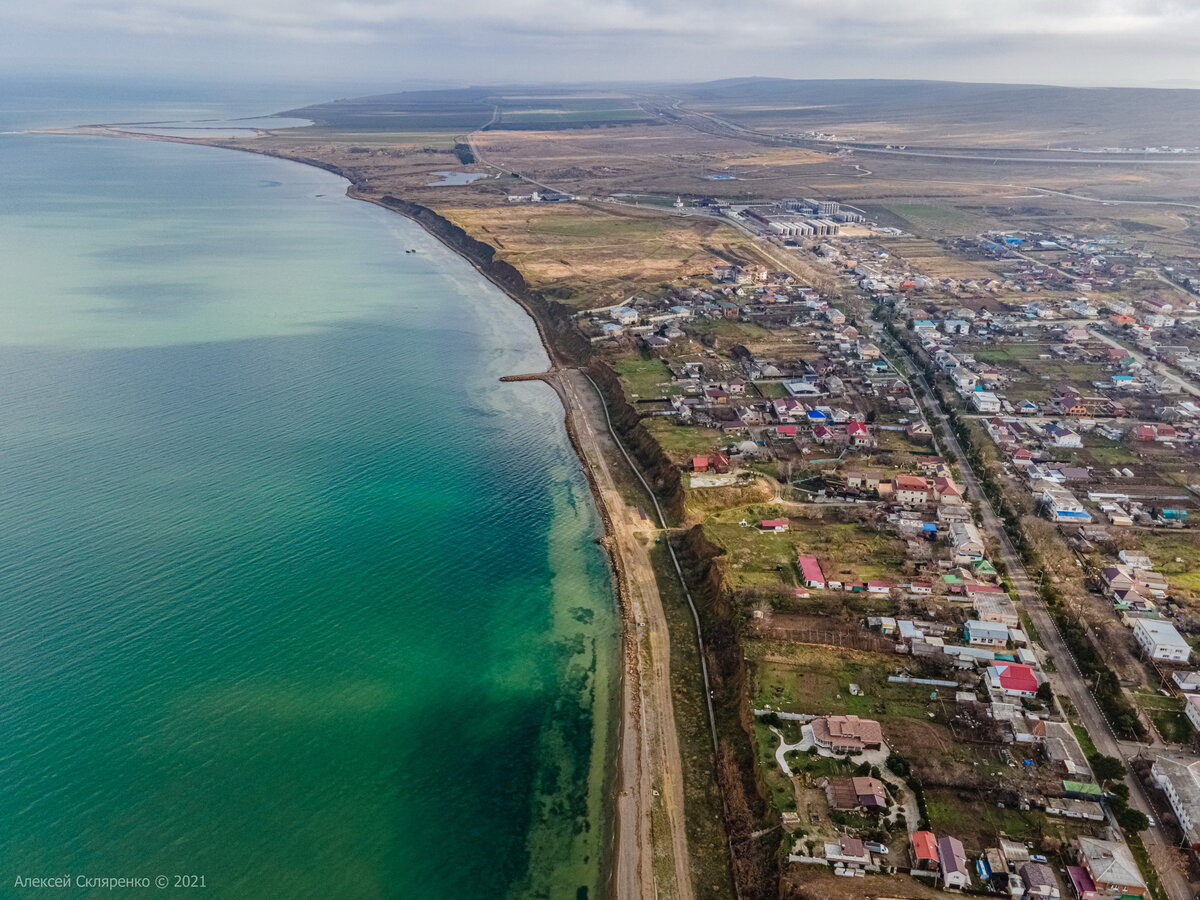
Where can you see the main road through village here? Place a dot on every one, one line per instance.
(1067, 679)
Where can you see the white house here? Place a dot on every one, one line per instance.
(985, 402)
(985, 634)
(1160, 640)
(1062, 506)
(952, 858)
(967, 542)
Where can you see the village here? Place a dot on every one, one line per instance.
(933, 743)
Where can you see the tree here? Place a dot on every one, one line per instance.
(1045, 692)
(1107, 768)
(1133, 820)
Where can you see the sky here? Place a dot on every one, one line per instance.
(398, 43)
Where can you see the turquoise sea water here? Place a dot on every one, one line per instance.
(294, 594)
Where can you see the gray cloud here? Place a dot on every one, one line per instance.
(1068, 41)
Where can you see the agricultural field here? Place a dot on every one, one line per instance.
(682, 442)
(536, 113)
(978, 823)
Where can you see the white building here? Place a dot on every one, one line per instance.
(1180, 781)
(1191, 709)
(967, 542)
(1061, 506)
(985, 402)
(1160, 640)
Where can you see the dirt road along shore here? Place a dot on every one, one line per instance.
(650, 799)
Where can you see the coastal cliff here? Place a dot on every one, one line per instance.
(756, 854)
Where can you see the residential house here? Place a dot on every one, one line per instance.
(985, 634)
(952, 858)
(847, 733)
(856, 793)
(966, 542)
(858, 433)
(848, 852)
(776, 526)
(911, 490)
(1111, 867)
(1062, 506)
(985, 402)
(1039, 881)
(924, 851)
(1186, 681)
(1012, 680)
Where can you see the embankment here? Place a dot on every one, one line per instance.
(748, 816)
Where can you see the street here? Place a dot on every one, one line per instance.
(1067, 679)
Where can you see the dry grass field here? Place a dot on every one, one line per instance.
(597, 254)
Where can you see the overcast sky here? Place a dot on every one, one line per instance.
(377, 42)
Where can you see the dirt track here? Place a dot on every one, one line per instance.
(650, 772)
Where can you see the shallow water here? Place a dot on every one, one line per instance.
(294, 595)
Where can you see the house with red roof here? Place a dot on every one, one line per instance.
(1012, 680)
(699, 463)
(858, 433)
(810, 571)
(778, 526)
(911, 490)
(786, 431)
(924, 851)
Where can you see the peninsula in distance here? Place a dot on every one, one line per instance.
(566, 482)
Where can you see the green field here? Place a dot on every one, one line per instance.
(568, 112)
(978, 821)
(434, 140)
(1167, 715)
(812, 680)
(1165, 547)
(682, 442)
(645, 378)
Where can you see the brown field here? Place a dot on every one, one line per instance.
(614, 250)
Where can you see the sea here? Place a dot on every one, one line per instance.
(296, 597)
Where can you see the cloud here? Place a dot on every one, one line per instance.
(650, 38)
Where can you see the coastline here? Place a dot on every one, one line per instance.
(631, 806)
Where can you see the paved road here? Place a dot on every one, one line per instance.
(1067, 679)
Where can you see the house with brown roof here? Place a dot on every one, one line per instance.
(847, 733)
(856, 793)
(952, 857)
